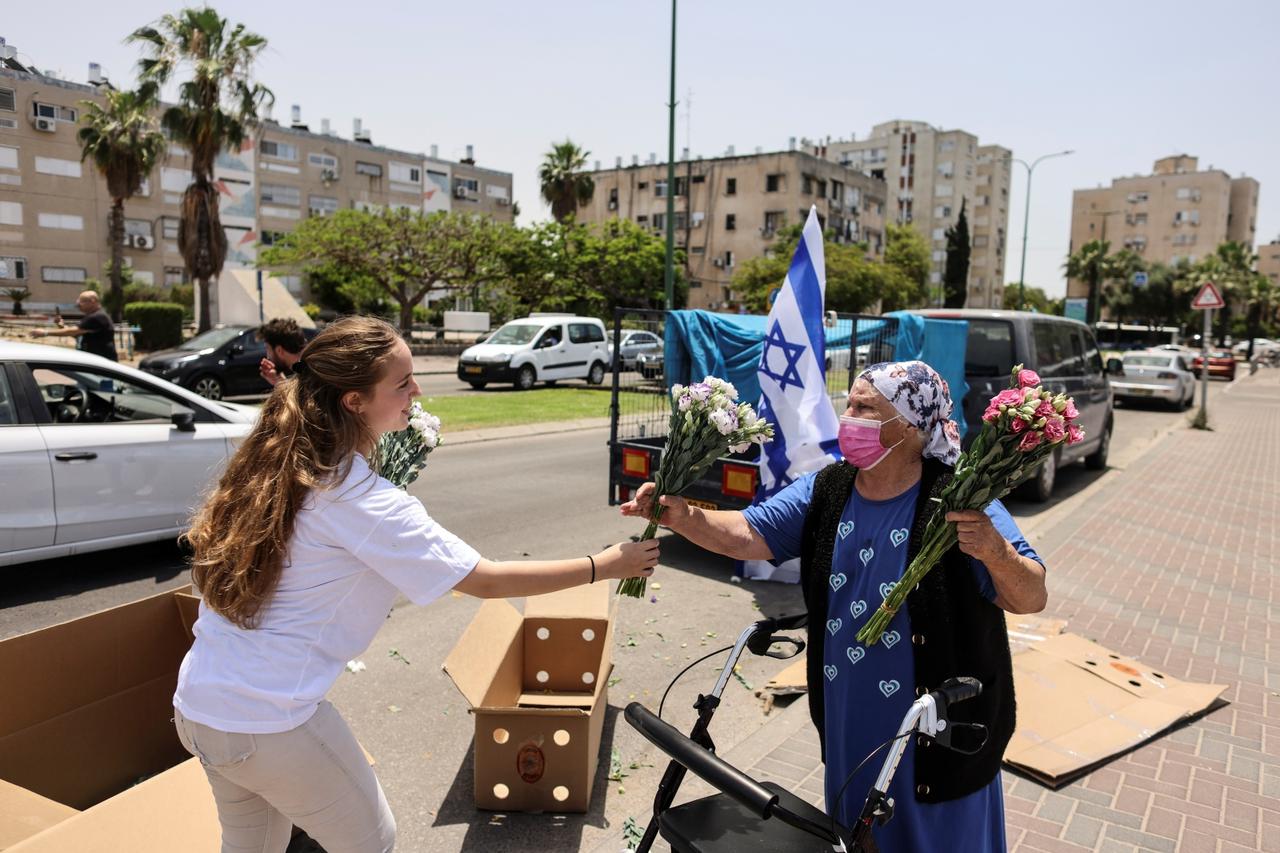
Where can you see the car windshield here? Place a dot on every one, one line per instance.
(990, 348)
(514, 333)
(1147, 360)
(211, 339)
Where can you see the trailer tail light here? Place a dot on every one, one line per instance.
(624, 494)
(635, 463)
(738, 481)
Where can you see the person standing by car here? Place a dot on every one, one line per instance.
(95, 333)
(299, 554)
(284, 342)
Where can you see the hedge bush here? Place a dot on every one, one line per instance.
(159, 324)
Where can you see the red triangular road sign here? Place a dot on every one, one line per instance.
(1208, 297)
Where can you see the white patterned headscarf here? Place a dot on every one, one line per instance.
(923, 399)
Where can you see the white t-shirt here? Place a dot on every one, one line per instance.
(353, 547)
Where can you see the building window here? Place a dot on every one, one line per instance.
(942, 191)
(806, 184)
(1188, 194)
(660, 189)
(939, 233)
(137, 228)
(773, 220)
(659, 221)
(321, 205)
(10, 213)
(464, 187)
(728, 260)
(730, 221)
(682, 186)
(277, 194)
(1138, 198)
(324, 161)
(942, 211)
(169, 227)
(643, 185)
(13, 269)
(731, 186)
(373, 170)
(61, 168)
(8, 157)
(642, 219)
(772, 183)
(699, 179)
(8, 102)
(279, 150)
(271, 238)
(403, 173)
(55, 112)
(980, 241)
(63, 221)
(174, 276)
(63, 275)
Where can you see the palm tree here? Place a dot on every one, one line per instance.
(217, 109)
(1230, 267)
(1092, 265)
(122, 138)
(565, 186)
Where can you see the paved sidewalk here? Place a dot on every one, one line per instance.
(1172, 561)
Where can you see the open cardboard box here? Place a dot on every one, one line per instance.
(538, 687)
(87, 715)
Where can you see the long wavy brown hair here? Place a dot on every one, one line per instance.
(304, 438)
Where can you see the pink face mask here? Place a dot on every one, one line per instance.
(860, 442)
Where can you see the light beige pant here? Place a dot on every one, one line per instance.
(314, 776)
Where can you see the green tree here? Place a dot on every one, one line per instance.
(565, 184)
(122, 138)
(955, 277)
(398, 255)
(216, 111)
(1232, 268)
(854, 283)
(1035, 299)
(906, 254)
(1118, 289)
(1092, 265)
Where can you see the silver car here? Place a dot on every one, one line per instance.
(634, 343)
(1156, 374)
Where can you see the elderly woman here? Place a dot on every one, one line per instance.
(855, 526)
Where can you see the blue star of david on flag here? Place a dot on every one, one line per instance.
(775, 345)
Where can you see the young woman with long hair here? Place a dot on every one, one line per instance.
(299, 553)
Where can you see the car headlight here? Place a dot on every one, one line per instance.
(500, 359)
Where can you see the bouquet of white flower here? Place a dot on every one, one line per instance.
(402, 455)
(707, 422)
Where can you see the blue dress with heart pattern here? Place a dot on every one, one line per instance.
(869, 689)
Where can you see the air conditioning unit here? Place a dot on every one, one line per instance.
(328, 175)
(717, 262)
(142, 241)
(613, 205)
(503, 201)
(459, 192)
(46, 125)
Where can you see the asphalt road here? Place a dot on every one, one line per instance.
(538, 497)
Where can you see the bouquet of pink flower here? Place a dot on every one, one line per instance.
(1022, 425)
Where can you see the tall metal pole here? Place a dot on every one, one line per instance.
(1022, 270)
(669, 276)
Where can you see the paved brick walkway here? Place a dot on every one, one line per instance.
(1173, 561)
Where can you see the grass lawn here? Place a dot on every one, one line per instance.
(507, 406)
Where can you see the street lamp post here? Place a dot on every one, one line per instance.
(669, 273)
(1022, 270)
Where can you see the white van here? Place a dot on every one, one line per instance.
(538, 348)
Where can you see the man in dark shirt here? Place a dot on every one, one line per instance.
(95, 333)
(284, 340)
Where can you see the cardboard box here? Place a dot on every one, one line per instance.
(87, 715)
(538, 687)
(1080, 705)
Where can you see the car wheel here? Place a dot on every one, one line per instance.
(208, 386)
(1097, 460)
(479, 386)
(596, 376)
(525, 378)
(1040, 487)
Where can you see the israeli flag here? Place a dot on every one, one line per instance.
(793, 386)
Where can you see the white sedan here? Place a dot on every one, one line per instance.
(95, 454)
(1156, 374)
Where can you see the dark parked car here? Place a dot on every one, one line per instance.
(220, 363)
(1064, 353)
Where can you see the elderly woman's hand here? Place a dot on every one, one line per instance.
(978, 537)
(677, 509)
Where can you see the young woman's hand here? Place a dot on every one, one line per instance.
(677, 508)
(627, 560)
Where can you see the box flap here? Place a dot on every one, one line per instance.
(478, 657)
(590, 601)
(147, 818)
(24, 814)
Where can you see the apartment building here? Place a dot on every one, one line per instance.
(930, 172)
(729, 208)
(1178, 212)
(54, 208)
(1269, 261)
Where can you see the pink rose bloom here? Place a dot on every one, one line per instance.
(1028, 378)
(1054, 430)
(1007, 397)
(1070, 412)
(1018, 425)
(1075, 434)
(1045, 410)
(991, 415)
(1030, 441)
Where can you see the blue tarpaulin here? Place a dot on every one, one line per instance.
(940, 344)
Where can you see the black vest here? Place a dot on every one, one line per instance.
(955, 631)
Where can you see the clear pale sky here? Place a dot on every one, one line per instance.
(1122, 82)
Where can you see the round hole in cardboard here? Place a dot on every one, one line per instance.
(542, 676)
(561, 737)
(543, 633)
(588, 677)
(501, 735)
(560, 792)
(588, 634)
(501, 791)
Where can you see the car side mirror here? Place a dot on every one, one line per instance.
(183, 418)
(1115, 367)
